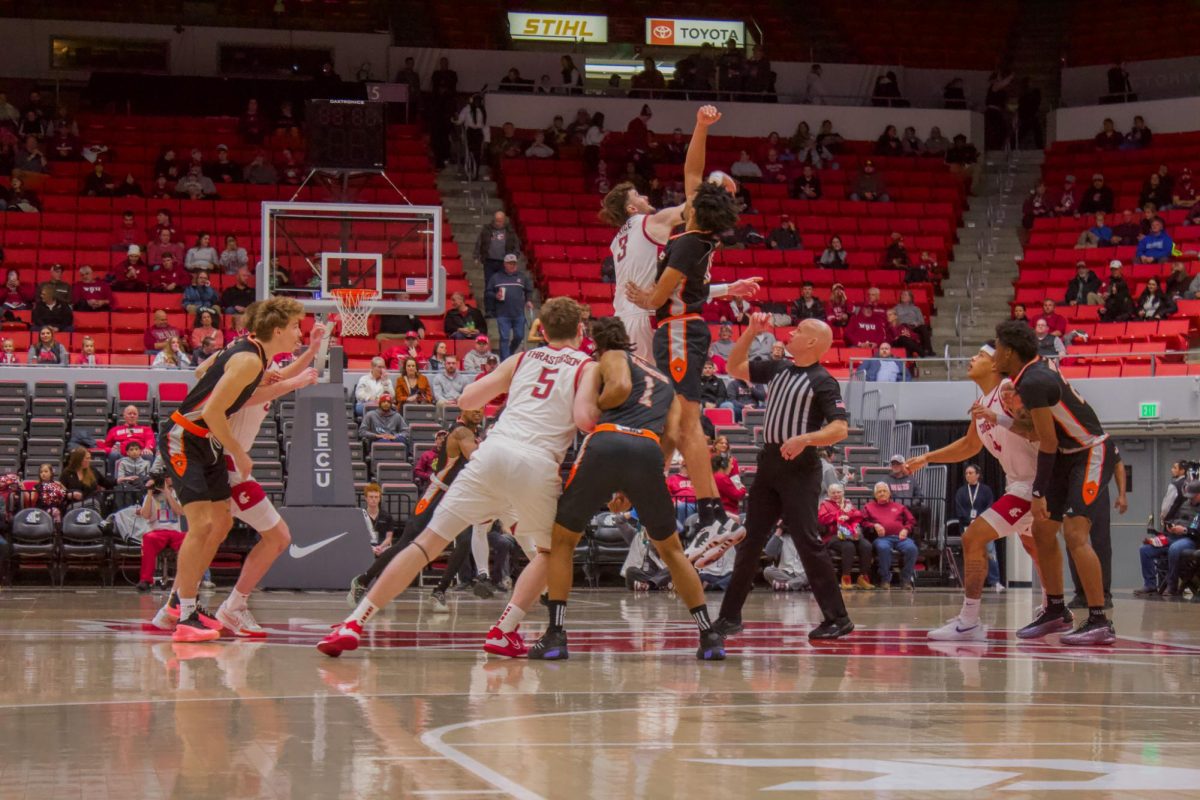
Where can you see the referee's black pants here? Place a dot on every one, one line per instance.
(791, 491)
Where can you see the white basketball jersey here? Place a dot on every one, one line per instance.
(635, 256)
(1016, 454)
(247, 421)
(540, 412)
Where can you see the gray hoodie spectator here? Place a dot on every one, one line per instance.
(384, 423)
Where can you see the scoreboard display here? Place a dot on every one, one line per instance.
(346, 134)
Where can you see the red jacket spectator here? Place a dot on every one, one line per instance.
(681, 488)
(831, 518)
(14, 295)
(93, 296)
(125, 234)
(893, 516)
(1067, 203)
(161, 331)
(157, 249)
(423, 470)
(170, 277)
(121, 435)
(867, 327)
(731, 495)
(1056, 321)
(130, 277)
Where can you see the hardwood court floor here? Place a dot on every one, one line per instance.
(96, 707)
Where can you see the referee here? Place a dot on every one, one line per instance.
(804, 412)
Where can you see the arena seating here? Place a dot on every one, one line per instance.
(1103, 30)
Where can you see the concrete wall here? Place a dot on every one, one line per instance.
(1151, 80)
(1162, 116)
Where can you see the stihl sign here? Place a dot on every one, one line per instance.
(693, 32)
(558, 27)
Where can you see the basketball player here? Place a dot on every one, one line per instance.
(1075, 462)
(453, 454)
(196, 440)
(642, 233)
(682, 337)
(622, 454)
(514, 473)
(249, 503)
(993, 428)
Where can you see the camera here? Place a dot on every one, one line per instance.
(160, 479)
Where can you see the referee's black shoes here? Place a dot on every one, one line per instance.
(727, 627)
(832, 629)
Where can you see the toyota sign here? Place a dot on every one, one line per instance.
(693, 32)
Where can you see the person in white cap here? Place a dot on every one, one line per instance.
(132, 275)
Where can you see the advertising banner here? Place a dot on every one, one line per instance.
(693, 32)
(557, 27)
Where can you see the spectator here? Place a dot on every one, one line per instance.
(260, 172)
(87, 354)
(476, 357)
(814, 86)
(170, 276)
(290, 169)
(719, 350)
(126, 233)
(572, 78)
(888, 143)
(896, 254)
(512, 292)
(98, 183)
(910, 314)
(14, 296)
(399, 326)
(683, 495)
(745, 168)
(384, 423)
(47, 351)
(492, 362)
(9, 115)
(161, 516)
(808, 185)
(82, 482)
(448, 384)
(129, 187)
(383, 527)
(971, 500)
(49, 312)
(131, 275)
(785, 237)
(236, 298)
(893, 526)
(206, 328)
(132, 470)
(539, 148)
(118, 438)
(463, 321)
(1037, 205)
(1139, 136)
(1118, 305)
(962, 157)
(1149, 216)
(1109, 138)
(869, 185)
(233, 258)
(911, 143)
(427, 462)
(1056, 321)
(1155, 193)
(905, 336)
(48, 494)
(1115, 275)
(21, 199)
(867, 326)
(412, 386)
(953, 94)
(1178, 281)
(394, 356)
(203, 256)
(834, 257)
(225, 171)
(837, 312)
(30, 160)
(201, 296)
(1049, 345)
(507, 145)
(1099, 235)
(253, 124)
(761, 346)
(195, 185)
(887, 91)
(8, 352)
(1097, 198)
(713, 393)
(372, 386)
(161, 190)
(160, 333)
(61, 289)
(936, 144)
(173, 356)
(1127, 231)
(729, 492)
(163, 245)
(208, 347)
(1067, 202)
(1084, 288)
(807, 306)
(1154, 304)
(884, 368)
(1156, 247)
(1183, 194)
(1180, 538)
(842, 534)
(496, 241)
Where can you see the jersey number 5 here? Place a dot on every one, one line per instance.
(545, 383)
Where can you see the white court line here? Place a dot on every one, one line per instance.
(450, 792)
(887, 743)
(434, 739)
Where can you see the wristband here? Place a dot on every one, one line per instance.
(1045, 473)
(718, 290)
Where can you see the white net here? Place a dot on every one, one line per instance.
(354, 308)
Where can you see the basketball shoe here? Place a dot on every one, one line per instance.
(956, 631)
(193, 629)
(439, 602)
(240, 622)
(1092, 631)
(499, 643)
(712, 646)
(483, 587)
(168, 616)
(1048, 620)
(551, 647)
(729, 533)
(358, 590)
(345, 636)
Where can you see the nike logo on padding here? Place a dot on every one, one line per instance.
(300, 552)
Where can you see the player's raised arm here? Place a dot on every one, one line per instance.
(586, 410)
(490, 386)
(953, 453)
(738, 364)
(693, 165)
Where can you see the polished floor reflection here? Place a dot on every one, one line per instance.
(97, 706)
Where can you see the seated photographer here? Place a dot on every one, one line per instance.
(841, 520)
(892, 525)
(1180, 536)
(162, 512)
(643, 569)
(788, 574)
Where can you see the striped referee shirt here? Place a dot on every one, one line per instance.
(799, 399)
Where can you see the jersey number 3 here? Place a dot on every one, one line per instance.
(545, 383)
(622, 243)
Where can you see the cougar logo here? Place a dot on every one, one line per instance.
(243, 499)
(1015, 513)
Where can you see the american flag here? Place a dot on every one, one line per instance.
(416, 284)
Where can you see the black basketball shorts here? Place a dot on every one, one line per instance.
(680, 350)
(1079, 481)
(195, 464)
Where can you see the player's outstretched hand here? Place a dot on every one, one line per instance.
(746, 287)
(760, 322)
(707, 115)
(979, 412)
(317, 334)
(309, 377)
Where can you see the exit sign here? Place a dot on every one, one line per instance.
(1148, 411)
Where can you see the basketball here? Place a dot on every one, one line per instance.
(718, 178)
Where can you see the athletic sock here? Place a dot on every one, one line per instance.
(718, 510)
(970, 611)
(186, 607)
(1096, 614)
(704, 512)
(363, 613)
(700, 614)
(237, 600)
(510, 619)
(479, 548)
(1054, 601)
(558, 614)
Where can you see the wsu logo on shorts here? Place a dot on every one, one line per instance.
(662, 31)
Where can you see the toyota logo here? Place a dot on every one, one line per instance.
(662, 31)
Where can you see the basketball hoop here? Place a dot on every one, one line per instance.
(354, 306)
